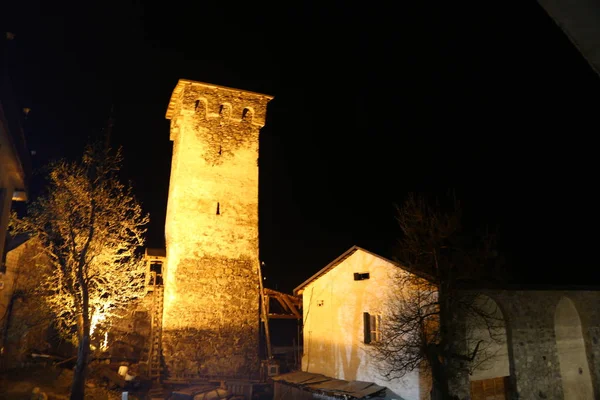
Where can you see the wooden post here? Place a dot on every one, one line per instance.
(264, 317)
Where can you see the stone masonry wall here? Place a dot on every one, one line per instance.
(23, 316)
(533, 353)
(211, 315)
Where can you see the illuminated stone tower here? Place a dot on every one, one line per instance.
(211, 308)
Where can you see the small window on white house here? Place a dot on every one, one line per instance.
(361, 276)
(372, 327)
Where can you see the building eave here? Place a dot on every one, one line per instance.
(326, 269)
(345, 255)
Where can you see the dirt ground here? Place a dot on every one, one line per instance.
(55, 384)
(19, 384)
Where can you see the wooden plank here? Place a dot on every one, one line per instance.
(297, 301)
(489, 389)
(282, 316)
(265, 316)
(477, 390)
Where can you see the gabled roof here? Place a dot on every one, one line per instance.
(476, 285)
(341, 258)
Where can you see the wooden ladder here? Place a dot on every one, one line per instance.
(154, 356)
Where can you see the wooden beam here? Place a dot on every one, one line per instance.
(282, 316)
(291, 305)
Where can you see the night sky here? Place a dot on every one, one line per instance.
(371, 102)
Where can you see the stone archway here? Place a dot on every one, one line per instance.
(572, 357)
(491, 366)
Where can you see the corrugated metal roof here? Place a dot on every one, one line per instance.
(336, 388)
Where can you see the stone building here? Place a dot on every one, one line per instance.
(210, 321)
(14, 172)
(209, 313)
(200, 317)
(552, 333)
(14, 160)
(546, 342)
(25, 324)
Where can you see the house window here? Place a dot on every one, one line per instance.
(361, 276)
(372, 327)
(156, 273)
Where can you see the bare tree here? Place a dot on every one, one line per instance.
(434, 319)
(90, 226)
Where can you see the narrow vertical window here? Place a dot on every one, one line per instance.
(367, 327)
(375, 328)
(218, 208)
(371, 327)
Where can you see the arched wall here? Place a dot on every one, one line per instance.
(533, 349)
(573, 360)
(489, 330)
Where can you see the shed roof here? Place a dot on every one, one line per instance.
(331, 387)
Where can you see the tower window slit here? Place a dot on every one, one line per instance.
(218, 208)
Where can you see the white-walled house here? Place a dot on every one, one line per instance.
(545, 337)
(343, 305)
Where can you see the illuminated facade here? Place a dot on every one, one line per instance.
(545, 339)
(339, 301)
(211, 308)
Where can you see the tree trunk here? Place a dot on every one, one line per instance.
(441, 388)
(439, 365)
(83, 351)
(6, 320)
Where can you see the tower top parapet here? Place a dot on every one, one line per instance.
(217, 101)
